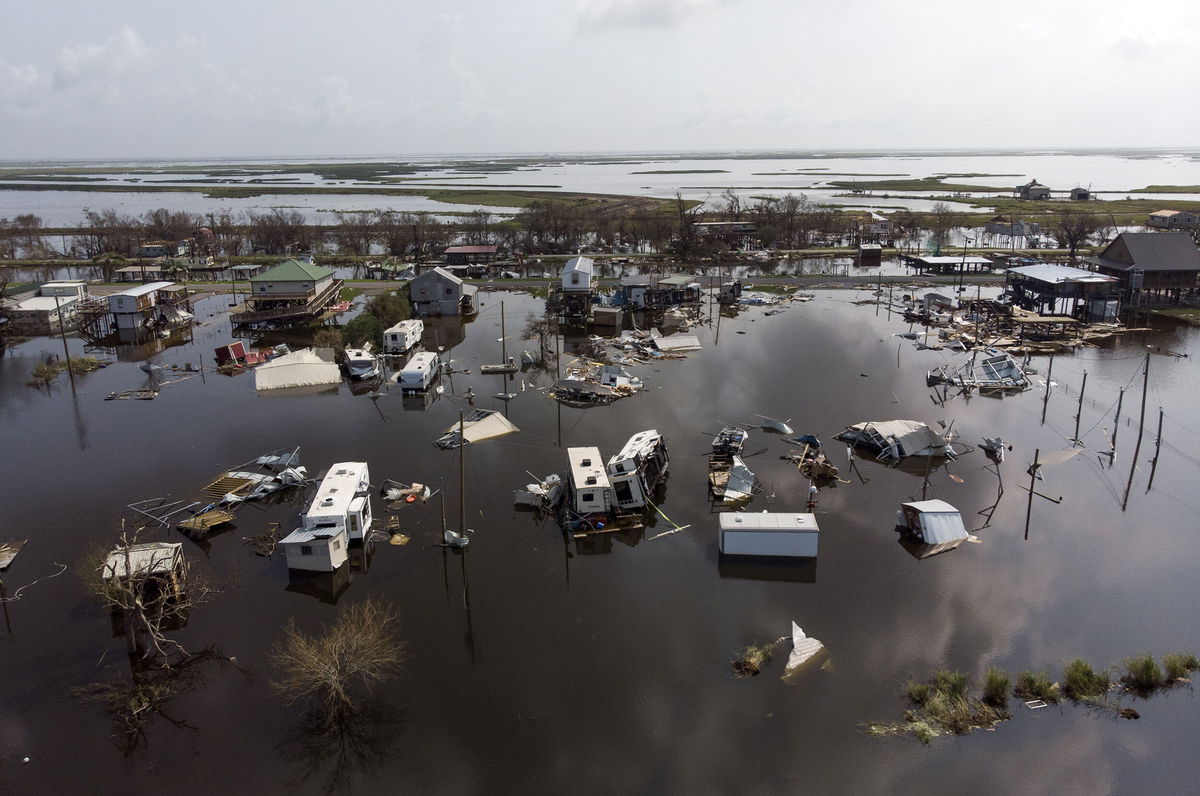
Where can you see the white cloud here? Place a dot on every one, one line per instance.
(112, 58)
(596, 14)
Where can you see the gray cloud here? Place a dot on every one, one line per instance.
(599, 14)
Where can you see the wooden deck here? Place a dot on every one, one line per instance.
(207, 520)
(224, 485)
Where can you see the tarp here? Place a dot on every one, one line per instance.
(297, 369)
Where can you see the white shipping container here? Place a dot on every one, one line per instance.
(768, 534)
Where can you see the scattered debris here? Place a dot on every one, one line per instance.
(804, 651)
(776, 426)
(896, 439)
(8, 552)
(545, 495)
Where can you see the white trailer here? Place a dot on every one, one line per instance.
(419, 372)
(403, 336)
(768, 534)
(340, 511)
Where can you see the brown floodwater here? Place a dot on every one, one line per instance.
(604, 665)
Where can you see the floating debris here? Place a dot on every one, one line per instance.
(8, 552)
(479, 425)
(896, 439)
(804, 651)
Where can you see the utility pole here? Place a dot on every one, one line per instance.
(1046, 397)
(1033, 471)
(62, 329)
(1079, 411)
(1157, 446)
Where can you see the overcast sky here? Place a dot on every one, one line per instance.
(257, 77)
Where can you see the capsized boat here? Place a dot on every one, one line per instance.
(729, 441)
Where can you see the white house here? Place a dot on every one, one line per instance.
(44, 314)
(579, 275)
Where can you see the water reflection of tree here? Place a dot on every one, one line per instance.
(338, 748)
(146, 694)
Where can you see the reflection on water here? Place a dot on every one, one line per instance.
(536, 642)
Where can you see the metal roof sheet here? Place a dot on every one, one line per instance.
(293, 271)
(484, 424)
(298, 369)
(1058, 274)
(775, 522)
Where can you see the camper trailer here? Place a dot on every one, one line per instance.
(419, 372)
(403, 336)
(340, 511)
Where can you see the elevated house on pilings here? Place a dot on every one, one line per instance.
(1152, 266)
(1049, 289)
(291, 292)
(573, 296)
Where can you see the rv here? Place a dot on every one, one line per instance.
(340, 511)
(403, 336)
(419, 372)
(600, 496)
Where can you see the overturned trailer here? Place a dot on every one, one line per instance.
(612, 497)
(996, 371)
(897, 439)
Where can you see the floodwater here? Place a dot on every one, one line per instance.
(693, 175)
(604, 665)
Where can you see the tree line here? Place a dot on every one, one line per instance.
(543, 226)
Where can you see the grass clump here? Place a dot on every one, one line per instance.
(1082, 684)
(996, 683)
(1036, 685)
(47, 371)
(753, 658)
(945, 705)
(1179, 665)
(1142, 674)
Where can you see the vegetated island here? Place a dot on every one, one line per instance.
(683, 171)
(945, 704)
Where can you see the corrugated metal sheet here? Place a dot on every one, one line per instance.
(307, 535)
(1057, 274)
(912, 435)
(678, 342)
(297, 369)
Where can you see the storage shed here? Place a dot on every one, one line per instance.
(769, 534)
(935, 523)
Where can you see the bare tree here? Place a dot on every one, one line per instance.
(1072, 228)
(358, 651)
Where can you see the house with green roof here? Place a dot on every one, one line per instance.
(292, 291)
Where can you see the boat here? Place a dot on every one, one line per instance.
(729, 441)
(360, 363)
(508, 364)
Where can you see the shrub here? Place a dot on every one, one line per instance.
(1179, 665)
(952, 684)
(1142, 674)
(917, 693)
(1036, 685)
(1081, 682)
(995, 687)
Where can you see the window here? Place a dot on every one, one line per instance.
(575, 279)
(306, 550)
(337, 545)
(449, 291)
(624, 493)
(587, 497)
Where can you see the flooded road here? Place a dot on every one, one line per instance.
(545, 665)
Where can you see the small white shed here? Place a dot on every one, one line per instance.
(934, 522)
(579, 274)
(769, 534)
(316, 549)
